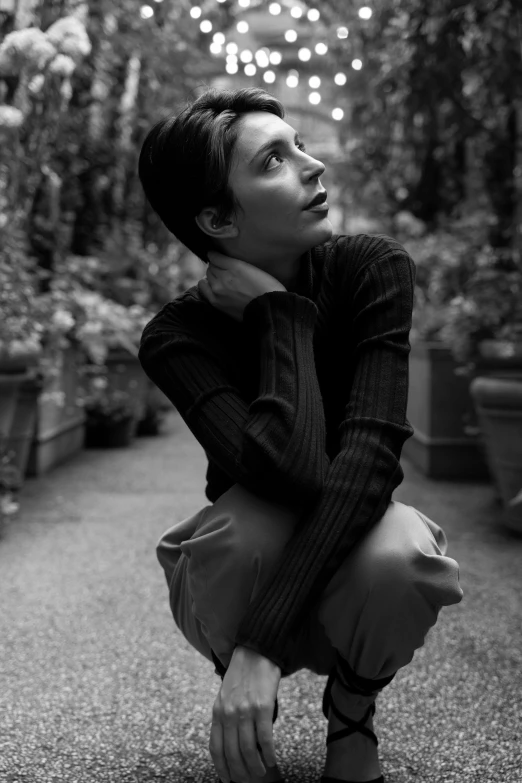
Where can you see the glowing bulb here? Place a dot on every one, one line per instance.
(242, 27)
(292, 81)
(275, 58)
(250, 69)
(296, 12)
(146, 11)
(262, 58)
(231, 68)
(304, 54)
(246, 56)
(340, 79)
(243, 3)
(342, 32)
(195, 12)
(314, 97)
(313, 15)
(337, 114)
(232, 48)
(218, 38)
(215, 48)
(231, 58)
(274, 8)
(291, 36)
(269, 76)
(205, 26)
(365, 12)
(357, 64)
(321, 48)
(314, 82)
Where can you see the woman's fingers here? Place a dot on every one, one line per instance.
(217, 751)
(248, 746)
(265, 735)
(234, 758)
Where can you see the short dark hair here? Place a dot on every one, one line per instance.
(185, 160)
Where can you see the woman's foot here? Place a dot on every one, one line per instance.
(354, 757)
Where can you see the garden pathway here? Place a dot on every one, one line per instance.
(97, 684)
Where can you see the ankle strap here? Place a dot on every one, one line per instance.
(354, 683)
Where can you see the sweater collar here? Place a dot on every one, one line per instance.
(305, 282)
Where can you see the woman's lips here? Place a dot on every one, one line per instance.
(319, 207)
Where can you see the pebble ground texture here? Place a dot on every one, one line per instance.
(98, 685)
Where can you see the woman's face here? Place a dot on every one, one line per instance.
(274, 180)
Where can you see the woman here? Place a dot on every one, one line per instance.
(289, 363)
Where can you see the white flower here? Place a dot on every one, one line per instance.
(63, 65)
(25, 48)
(63, 319)
(10, 117)
(36, 83)
(69, 37)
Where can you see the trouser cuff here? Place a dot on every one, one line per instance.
(360, 685)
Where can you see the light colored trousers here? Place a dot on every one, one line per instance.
(375, 611)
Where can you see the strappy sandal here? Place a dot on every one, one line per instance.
(221, 670)
(353, 725)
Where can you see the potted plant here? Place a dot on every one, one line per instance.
(111, 414)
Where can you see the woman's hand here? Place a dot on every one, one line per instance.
(230, 284)
(242, 717)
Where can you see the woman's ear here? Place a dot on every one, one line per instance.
(207, 220)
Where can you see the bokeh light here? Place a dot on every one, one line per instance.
(231, 58)
(274, 8)
(269, 77)
(215, 48)
(242, 27)
(340, 79)
(321, 48)
(296, 12)
(292, 80)
(146, 11)
(357, 64)
(291, 36)
(314, 82)
(262, 58)
(243, 3)
(250, 69)
(246, 56)
(342, 32)
(313, 15)
(314, 98)
(365, 12)
(232, 48)
(218, 38)
(337, 114)
(231, 68)
(205, 26)
(304, 54)
(195, 12)
(275, 58)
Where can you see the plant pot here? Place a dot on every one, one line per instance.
(9, 389)
(125, 373)
(60, 420)
(23, 424)
(19, 362)
(439, 403)
(110, 434)
(498, 402)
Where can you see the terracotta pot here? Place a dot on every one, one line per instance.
(498, 402)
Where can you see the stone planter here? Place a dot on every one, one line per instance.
(23, 423)
(498, 402)
(9, 389)
(110, 434)
(60, 419)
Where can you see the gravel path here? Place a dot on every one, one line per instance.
(97, 684)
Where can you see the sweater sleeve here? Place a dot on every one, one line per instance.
(365, 471)
(265, 445)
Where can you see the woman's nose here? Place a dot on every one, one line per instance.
(315, 168)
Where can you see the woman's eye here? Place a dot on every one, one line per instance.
(299, 146)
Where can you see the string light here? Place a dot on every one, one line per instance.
(314, 82)
(365, 12)
(313, 15)
(231, 68)
(269, 77)
(232, 48)
(356, 64)
(218, 38)
(250, 69)
(337, 114)
(321, 48)
(215, 48)
(195, 12)
(291, 36)
(232, 58)
(205, 26)
(292, 80)
(342, 32)
(304, 54)
(262, 58)
(274, 8)
(146, 11)
(275, 58)
(340, 79)
(243, 3)
(246, 56)
(314, 98)
(242, 27)
(296, 12)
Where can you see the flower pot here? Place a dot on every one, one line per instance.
(439, 403)
(498, 402)
(125, 373)
(109, 434)
(60, 419)
(9, 388)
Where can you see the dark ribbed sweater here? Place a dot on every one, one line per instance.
(303, 403)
